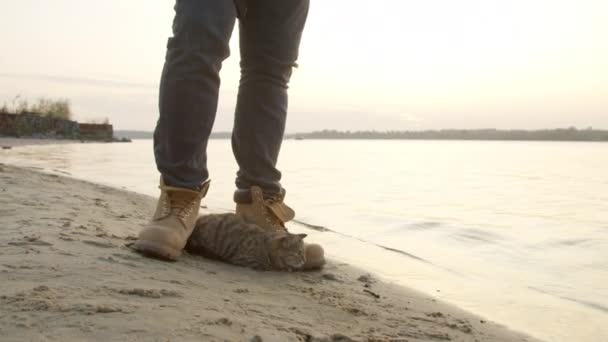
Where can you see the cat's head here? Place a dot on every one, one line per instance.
(288, 251)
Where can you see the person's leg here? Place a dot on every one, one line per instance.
(189, 89)
(188, 102)
(270, 35)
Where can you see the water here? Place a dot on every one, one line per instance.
(514, 231)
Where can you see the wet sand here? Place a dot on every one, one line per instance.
(67, 275)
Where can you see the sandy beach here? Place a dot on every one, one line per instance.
(68, 275)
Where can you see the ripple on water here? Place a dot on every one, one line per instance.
(424, 225)
(576, 242)
(476, 236)
(593, 305)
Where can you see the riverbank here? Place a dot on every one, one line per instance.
(67, 275)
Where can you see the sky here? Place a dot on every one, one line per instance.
(383, 65)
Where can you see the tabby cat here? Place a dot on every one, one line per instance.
(227, 237)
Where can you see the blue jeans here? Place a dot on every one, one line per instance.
(270, 32)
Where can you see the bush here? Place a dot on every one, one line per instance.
(55, 108)
(59, 108)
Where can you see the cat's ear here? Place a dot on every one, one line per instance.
(283, 240)
(302, 236)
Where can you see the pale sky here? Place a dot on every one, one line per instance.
(384, 64)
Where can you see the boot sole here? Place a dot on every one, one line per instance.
(156, 250)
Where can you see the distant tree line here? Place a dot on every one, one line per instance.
(149, 135)
(54, 108)
(559, 134)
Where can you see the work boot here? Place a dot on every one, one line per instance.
(271, 214)
(176, 213)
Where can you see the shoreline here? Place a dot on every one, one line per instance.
(70, 277)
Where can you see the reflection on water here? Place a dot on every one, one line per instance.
(515, 231)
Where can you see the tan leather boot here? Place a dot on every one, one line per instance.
(272, 213)
(176, 213)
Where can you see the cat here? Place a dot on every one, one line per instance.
(227, 237)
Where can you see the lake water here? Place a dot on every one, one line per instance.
(514, 231)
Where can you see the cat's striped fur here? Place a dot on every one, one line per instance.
(229, 238)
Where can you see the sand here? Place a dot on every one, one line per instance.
(66, 274)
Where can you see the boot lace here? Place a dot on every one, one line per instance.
(179, 203)
(270, 216)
